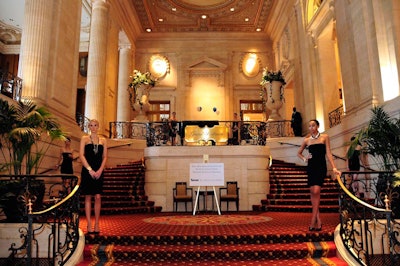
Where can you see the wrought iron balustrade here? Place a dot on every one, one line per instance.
(368, 211)
(83, 122)
(335, 117)
(158, 133)
(44, 212)
(10, 85)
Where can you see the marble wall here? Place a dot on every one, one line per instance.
(245, 164)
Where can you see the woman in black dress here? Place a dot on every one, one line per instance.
(65, 162)
(319, 149)
(93, 154)
(173, 124)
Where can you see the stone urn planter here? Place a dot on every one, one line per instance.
(272, 92)
(274, 99)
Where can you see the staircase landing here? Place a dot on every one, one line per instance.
(157, 239)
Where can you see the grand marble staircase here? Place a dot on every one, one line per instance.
(289, 191)
(124, 191)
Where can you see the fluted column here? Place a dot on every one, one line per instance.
(96, 76)
(125, 65)
(35, 48)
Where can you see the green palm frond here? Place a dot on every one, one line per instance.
(25, 124)
(381, 139)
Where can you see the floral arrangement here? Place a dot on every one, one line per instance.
(137, 79)
(269, 76)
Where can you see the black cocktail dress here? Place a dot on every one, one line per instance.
(89, 185)
(316, 168)
(66, 165)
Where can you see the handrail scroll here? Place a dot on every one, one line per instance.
(368, 225)
(47, 219)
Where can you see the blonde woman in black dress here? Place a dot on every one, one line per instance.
(93, 154)
(319, 148)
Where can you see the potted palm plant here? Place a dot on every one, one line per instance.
(381, 139)
(22, 126)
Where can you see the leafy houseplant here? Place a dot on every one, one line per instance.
(22, 126)
(381, 139)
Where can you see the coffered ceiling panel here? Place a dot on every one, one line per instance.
(202, 15)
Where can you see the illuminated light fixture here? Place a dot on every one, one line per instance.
(203, 16)
(148, 30)
(232, 9)
(158, 66)
(250, 65)
(160, 19)
(258, 29)
(246, 19)
(173, 9)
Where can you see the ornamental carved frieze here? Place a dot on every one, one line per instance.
(206, 67)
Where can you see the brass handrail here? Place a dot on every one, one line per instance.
(361, 223)
(352, 196)
(62, 218)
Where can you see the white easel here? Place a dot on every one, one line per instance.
(205, 195)
(206, 175)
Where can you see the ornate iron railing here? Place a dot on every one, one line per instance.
(369, 207)
(46, 209)
(158, 133)
(10, 85)
(83, 122)
(335, 117)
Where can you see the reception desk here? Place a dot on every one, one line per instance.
(248, 165)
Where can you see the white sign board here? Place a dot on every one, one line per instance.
(207, 174)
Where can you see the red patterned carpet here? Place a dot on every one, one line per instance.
(230, 239)
(211, 224)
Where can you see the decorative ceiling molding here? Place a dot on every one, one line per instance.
(9, 35)
(165, 16)
(220, 16)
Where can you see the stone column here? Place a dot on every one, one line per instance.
(125, 70)
(35, 48)
(96, 76)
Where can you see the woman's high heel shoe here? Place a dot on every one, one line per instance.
(311, 228)
(318, 229)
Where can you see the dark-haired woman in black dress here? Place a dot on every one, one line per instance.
(319, 149)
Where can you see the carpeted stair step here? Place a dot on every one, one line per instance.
(273, 262)
(215, 252)
(123, 191)
(301, 208)
(290, 201)
(318, 253)
(131, 210)
(289, 191)
(300, 195)
(198, 240)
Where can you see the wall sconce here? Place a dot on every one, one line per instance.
(158, 66)
(250, 65)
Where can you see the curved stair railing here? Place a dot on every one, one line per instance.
(49, 225)
(368, 225)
